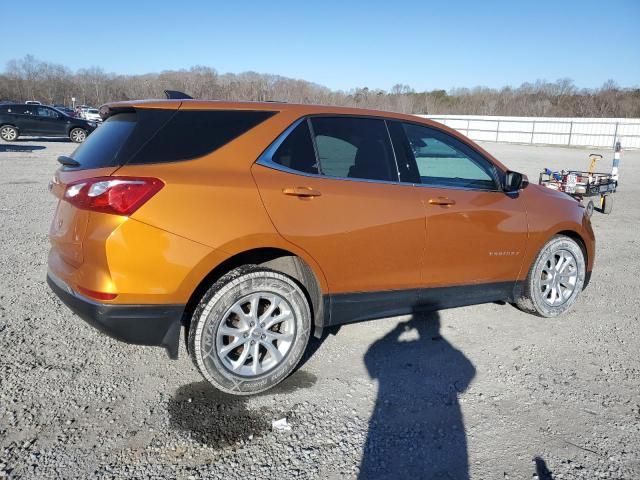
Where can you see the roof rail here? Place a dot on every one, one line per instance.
(176, 95)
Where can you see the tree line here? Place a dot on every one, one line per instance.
(29, 78)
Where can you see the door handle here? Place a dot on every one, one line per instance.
(441, 201)
(301, 192)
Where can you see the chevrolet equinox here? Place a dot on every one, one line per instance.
(250, 226)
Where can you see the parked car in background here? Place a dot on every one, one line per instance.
(92, 114)
(252, 225)
(33, 102)
(19, 119)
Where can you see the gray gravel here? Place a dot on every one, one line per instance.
(479, 392)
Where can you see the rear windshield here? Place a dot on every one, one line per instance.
(101, 148)
(159, 136)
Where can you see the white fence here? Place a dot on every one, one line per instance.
(575, 132)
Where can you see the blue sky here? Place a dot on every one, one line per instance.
(340, 44)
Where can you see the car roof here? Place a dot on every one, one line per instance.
(301, 109)
(295, 109)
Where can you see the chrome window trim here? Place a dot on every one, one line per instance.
(493, 169)
(266, 158)
(393, 151)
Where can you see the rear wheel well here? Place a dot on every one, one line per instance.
(276, 259)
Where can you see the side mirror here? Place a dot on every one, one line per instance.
(514, 181)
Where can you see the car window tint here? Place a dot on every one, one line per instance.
(443, 160)
(193, 133)
(296, 152)
(100, 149)
(17, 109)
(45, 112)
(351, 147)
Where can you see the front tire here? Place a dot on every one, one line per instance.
(9, 133)
(249, 330)
(555, 279)
(78, 135)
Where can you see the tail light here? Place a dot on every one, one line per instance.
(115, 195)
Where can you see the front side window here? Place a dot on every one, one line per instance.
(45, 112)
(350, 147)
(444, 161)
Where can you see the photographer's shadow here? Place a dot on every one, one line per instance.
(417, 430)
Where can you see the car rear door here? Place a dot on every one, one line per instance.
(23, 117)
(476, 233)
(330, 185)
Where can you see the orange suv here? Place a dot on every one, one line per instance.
(252, 225)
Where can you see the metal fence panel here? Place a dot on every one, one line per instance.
(577, 132)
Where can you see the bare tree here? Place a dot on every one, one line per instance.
(31, 79)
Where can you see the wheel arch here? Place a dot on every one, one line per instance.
(9, 124)
(278, 259)
(577, 237)
(73, 127)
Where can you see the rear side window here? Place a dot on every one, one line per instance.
(297, 152)
(157, 136)
(351, 147)
(194, 133)
(15, 109)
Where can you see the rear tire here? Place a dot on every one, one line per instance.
(9, 133)
(555, 279)
(78, 135)
(249, 330)
(607, 204)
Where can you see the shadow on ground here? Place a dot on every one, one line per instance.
(417, 429)
(43, 139)
(542, 471)
(11, 147)
(216, 419)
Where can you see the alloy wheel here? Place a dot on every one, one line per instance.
(78, 135)
(559, 277)
(256, 334)
(8, 133)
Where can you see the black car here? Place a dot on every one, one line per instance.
(17, 119)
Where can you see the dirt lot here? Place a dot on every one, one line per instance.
(482, 392)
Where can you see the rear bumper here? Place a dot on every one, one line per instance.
(156, 325)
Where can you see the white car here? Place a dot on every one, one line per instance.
(92, 114)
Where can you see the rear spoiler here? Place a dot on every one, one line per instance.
(110, 109)
(176, 95)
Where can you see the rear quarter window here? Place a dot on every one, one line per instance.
(194, 133)
(150, 136)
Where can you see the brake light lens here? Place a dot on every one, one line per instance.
(114, 195)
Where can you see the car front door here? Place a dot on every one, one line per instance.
(330, 185)
(49, 121)
(476, 233)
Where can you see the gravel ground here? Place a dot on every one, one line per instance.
(479, 392)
